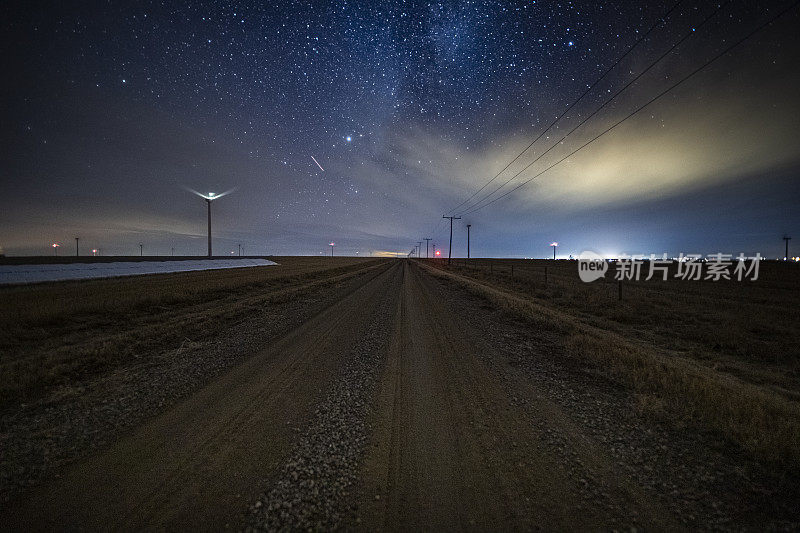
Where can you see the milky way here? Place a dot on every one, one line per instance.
(113, 108)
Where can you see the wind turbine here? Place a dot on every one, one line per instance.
(210, 197)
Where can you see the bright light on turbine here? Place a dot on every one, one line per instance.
(211, 195)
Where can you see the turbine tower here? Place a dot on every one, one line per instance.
(210, 197)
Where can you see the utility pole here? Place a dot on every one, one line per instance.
(141, 249)
(419, 249)
(786, 239)
(450, 249)
(427, 246)
(240, 249)
(78, 238)
(468, 226)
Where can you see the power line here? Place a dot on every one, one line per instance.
(688, 34)
(661, 19)
(648, 103)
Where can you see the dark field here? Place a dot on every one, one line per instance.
(54, 334)
(719, 355)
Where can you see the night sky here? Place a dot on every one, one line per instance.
(112, 109)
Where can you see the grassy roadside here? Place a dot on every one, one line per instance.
(55, 335)
(684, 390)
(45, 304)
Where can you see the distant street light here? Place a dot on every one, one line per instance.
(209, 198)
(94, 251)
(141, 249)
(332, 245)
(55, 247)
(554, 245)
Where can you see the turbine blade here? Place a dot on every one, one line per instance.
(201, 195)
(224, 193)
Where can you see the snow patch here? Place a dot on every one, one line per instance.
(61, 272)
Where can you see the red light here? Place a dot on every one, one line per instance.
(438, 252)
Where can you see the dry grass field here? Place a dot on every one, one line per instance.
(52, 334)
(719, 356)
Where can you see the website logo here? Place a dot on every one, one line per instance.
(591, 266)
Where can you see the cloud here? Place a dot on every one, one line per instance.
(685, 143)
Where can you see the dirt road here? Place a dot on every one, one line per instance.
(386, 411)
(452, 451)
(198, 465)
